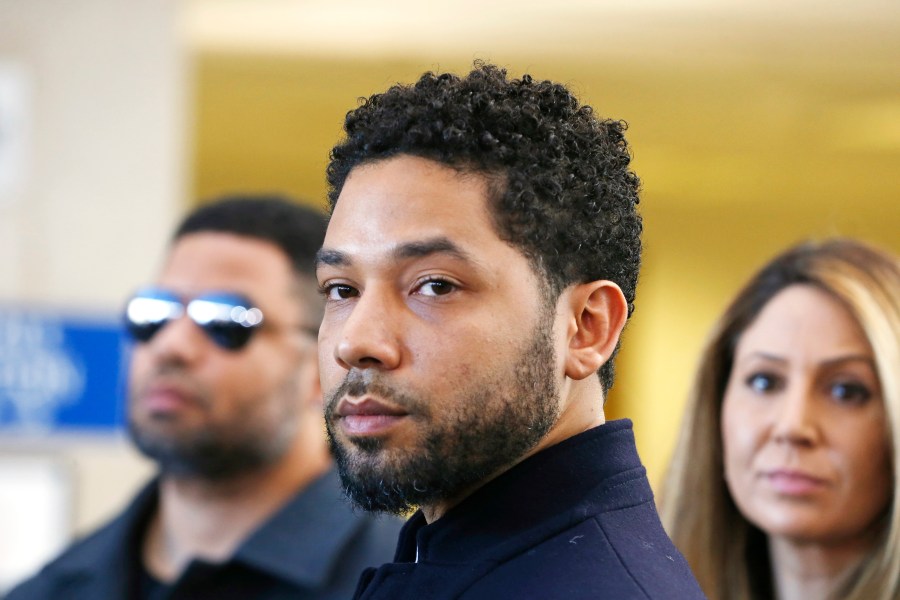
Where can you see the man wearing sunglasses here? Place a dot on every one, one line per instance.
(224, 395)
(479, 266)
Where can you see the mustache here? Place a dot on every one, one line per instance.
(175, 375)
(360, 383)
(356, 384)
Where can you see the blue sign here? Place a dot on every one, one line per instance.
(60, 373)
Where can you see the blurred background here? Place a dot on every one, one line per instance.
(753, 124)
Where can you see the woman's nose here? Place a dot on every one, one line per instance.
(796, 421)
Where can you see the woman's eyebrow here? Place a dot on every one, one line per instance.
(760, 355)
(827, 362)
(837, 360)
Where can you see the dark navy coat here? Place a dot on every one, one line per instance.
(574, 521)
(313, 548)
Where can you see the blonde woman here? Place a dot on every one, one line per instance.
(784, 480)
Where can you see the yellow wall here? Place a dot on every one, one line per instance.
(740, 156)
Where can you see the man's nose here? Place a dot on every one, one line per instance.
(180, 340)
(369, 336)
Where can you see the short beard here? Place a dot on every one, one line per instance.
(503, 416)
(209, 455)
(218, 451)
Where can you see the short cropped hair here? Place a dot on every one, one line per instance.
(297, 230)
(560, 187)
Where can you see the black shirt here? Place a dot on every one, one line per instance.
(313, 548)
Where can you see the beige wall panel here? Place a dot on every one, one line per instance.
(101, 185)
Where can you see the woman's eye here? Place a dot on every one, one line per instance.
(763, 382)
(850, 392)
(436, 287)
(339, 292)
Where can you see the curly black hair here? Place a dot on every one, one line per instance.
(562, 192)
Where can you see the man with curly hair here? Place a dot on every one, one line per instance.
(479, 266)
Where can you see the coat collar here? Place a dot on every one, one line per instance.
(595, 471)
(304, 540)
(301, 543)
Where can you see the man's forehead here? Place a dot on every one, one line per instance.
(210, 260)
(404, 201)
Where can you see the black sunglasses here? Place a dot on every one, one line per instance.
(228, 319)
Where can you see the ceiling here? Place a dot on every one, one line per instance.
(763, 98)
(650, 28)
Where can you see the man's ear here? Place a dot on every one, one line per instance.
(599, 311)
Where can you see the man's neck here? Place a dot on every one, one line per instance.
(578, 417)
(202, 519)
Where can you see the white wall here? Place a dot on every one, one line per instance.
(100, 183)
(105, 165)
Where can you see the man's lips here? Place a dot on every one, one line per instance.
(366, 406)
(367, 416)
(792, 482)
(165, 398)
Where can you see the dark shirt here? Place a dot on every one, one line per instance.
(313, 548)
(576, 520)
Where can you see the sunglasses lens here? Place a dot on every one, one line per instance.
(228, 319)
(230, 336)
(146, 313)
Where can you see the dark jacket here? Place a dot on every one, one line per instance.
(576, 520)
(313, 548)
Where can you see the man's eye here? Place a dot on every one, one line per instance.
(763, 383)
(340, 292)
(849, 392)
(435, 287)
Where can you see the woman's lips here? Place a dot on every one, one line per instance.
(367, 417)
(794, 483)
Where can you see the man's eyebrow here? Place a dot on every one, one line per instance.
(438, 245)
(334, 258)
(405, 251)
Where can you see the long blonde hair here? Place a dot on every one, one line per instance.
(729, 555)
